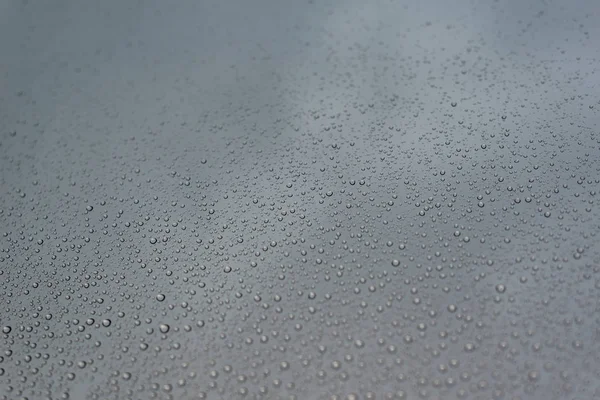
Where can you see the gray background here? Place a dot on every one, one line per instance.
(299, 199)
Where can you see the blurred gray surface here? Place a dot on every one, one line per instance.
(299, 200)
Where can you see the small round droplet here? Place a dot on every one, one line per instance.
(533, 376)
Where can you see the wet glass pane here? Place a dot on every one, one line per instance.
(314, 199)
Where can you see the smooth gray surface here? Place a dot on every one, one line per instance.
(299, 200)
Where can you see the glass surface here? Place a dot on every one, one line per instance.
(320, 199)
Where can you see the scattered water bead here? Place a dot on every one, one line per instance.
(160, 297)
(577, 344)
(500, 288)
(164, 328)
(533, 376)
(6, 329)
